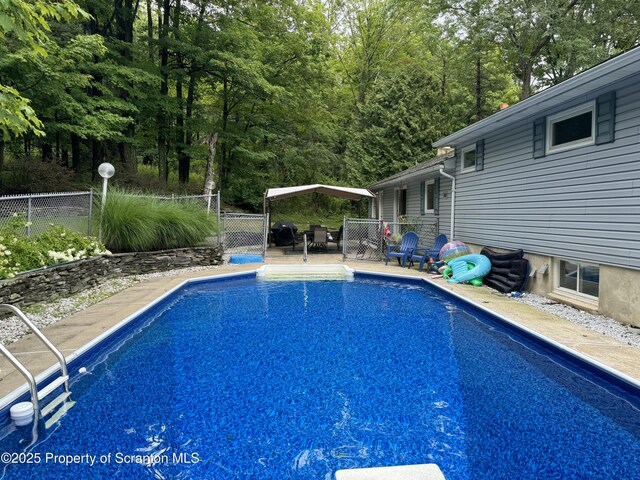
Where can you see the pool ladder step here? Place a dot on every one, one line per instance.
(62, 402)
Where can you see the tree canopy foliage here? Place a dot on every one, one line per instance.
(292, 91)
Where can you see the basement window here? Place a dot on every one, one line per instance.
(581, 278)
(571, 129)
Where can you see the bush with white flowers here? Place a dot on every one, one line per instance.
(19, 253)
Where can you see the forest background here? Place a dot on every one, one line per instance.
(285, 92)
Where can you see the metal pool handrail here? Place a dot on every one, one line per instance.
(33, 387)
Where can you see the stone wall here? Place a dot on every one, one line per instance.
(46, 284)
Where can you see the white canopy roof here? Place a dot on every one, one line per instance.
(344, 192)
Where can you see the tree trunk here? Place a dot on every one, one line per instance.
(125, 13)
(127, 152)
(443, 81)
(208, 175)
(150, 33)
(478, 88)
(191, 95)
(96, 157)
(58, 147)
(75, 153)
(183, 158)
(163, 160)
(47, 152)
(527, 69)
(225, 121)
(64, 157)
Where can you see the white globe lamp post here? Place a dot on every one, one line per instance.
(106, 171)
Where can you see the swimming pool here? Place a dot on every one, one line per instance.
(275, 380)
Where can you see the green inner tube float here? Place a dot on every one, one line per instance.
(467, 269)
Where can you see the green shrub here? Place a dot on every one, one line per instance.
(63, 245)
(133, 223)
(19, 253)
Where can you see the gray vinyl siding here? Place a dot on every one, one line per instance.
(413, 203)
(387, 201)
(413, 197)
(444, 219)
(581, 204)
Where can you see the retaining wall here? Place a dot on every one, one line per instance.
(46, 284)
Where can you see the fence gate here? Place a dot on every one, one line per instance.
(245, 233)
(365, 239)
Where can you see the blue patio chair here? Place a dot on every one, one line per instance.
(423, 255)
(404, 250)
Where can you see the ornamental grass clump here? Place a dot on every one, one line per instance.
(20, 253)
(133, 223)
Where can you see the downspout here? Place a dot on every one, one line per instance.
(453, 200)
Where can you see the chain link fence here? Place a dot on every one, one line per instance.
(244, 233)
(72, 210)
(367, 239)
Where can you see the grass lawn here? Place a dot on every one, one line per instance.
(303, 220)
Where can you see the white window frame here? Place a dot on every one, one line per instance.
(573, 112)
(462, 167)
(567, 291)
(426, 196)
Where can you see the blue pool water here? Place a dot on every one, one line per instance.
(249, 380)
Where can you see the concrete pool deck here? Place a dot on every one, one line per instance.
(74, 331)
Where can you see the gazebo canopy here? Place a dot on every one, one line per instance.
(344, 192)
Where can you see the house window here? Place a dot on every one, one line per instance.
(429, 196)
(579, 277)
(469, 159)
(571, 129)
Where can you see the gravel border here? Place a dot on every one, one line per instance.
(598, 323)
(12, 329)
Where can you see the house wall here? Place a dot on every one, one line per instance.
(581, 204)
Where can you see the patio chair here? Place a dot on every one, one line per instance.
(423, 255)
(404, 250)
(320, 238)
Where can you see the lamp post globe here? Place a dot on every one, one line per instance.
(106, 170)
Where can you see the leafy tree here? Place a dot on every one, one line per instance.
(402, 117)
(28, 24)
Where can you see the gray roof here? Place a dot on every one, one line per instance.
(427, 168)
(600, 76)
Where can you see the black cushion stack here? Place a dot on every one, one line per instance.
(508, 270)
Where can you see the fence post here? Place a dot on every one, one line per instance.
(90, 212)
(218, 218)
(265, 234)
(345, 236)
(381, 245)
(29, 216)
